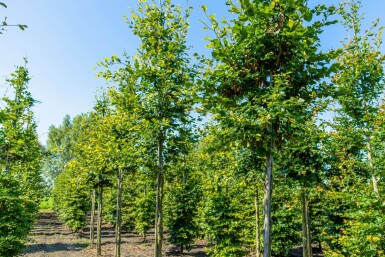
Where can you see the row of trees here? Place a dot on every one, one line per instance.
(264, 90)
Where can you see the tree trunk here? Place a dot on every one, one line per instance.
(99, 227)
(374, 179)
(118, 214)
(307, 248)
(267, 194)
(92, 222)
(257, 227)
(159, 202)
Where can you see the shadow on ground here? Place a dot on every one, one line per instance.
(55, 247)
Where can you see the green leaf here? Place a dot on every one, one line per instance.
(290, 23)
(4, 5)
(204, 8)
(308, 16)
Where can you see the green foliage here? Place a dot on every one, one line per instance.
(265, 76)
(20, 155)
(223, 225)
(226, 214)
(356, 225)
(71, 198)
(17, 215)
(143, 208)
(5, 24)
(46, 204)
(60, 147)
(263, 90)
(286, 219)
(67, 171)
(181, 217)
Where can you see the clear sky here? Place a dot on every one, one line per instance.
(66, 38)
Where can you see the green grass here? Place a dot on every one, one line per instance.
(46, 204)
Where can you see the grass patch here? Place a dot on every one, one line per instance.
(46, 204)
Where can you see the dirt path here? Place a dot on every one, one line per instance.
(50, 238)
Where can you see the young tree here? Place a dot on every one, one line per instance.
(159, 78)
(20, 155)
(266, 75)
(227, 206)
(182, 197)
(361, 81)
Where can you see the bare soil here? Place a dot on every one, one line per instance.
(51, 238)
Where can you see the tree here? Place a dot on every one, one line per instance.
(65, 169)
(355, 131)
(97, 156)
(159, 78)
(20, 155)
(361, 82)
(226, 210)
(184, 192)
(60, 146)
(267, 74)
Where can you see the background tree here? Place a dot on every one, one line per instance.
(361, 82)
(359, 87)
(183, 195)
(227, 213)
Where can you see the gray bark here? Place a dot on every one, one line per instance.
(99, 226)
(118, 214)
(268, 194)
(307, 248)
(257, 226)
(92, 222)
(373, 177)
(159, 202)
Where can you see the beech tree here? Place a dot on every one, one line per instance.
(355, 131)
(159, 78)
(266, 74)
(183, 194)
(361, 82)
(20, 156)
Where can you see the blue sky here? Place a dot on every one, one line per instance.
(66, 38)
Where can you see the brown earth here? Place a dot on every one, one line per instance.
(51, 238)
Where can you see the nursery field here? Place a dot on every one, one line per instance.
(267, 140)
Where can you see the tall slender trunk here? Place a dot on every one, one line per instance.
(374, 179)
(257, 226)
(144, 195)
(268, 193)
(99, 227)
(306, 238)
(92, 222)
(118, 214)
(159, 202)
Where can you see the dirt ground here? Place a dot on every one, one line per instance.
(51, 238)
